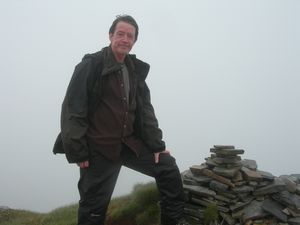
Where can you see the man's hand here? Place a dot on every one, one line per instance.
(156, 155)
(84, 164)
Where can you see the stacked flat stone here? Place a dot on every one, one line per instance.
(243, 194)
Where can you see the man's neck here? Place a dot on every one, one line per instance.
(120, 57)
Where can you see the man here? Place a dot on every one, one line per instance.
(108, 121)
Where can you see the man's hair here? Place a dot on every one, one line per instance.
(126, 19)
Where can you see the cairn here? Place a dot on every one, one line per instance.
(242, 193)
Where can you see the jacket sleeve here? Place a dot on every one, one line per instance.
(151, 133)
(74, 114)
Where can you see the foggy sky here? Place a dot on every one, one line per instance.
(222, 72)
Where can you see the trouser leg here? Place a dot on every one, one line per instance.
(168, 180)
(96, 186)
(169, 184)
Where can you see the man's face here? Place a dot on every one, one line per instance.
(122, 39)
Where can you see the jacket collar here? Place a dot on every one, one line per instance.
(111, 65)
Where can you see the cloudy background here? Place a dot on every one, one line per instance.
(222, 72)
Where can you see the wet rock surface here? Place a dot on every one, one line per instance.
(242, 193)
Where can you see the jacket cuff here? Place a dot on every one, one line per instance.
(163, 148)
(70, 160)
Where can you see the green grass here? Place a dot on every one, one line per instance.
(61, 216)
(20, 217)
(138, 208)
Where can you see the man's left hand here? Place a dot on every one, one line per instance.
(157, 154)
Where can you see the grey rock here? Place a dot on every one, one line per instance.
(213, 155)
(229, 195)
(266, 175)
(187, 174)
(198, 169)
(189, 181)
(288, 199)
(220, 203)
(294, 178)
(239, 205)
(222, 198)
(240, 183)
(195, 220)
(200, 202)
(227, 152)
(249, 163)
(294, 221)
(251, 175)
(238, 214)
(206, 172)
(231, 165)
(298, 189)
(291, 186)
(238, 177)
(206, 202)
(275, 209)
(218, 186)
(245, 197)
(222, 160)
(210, 162)
(293, 212)
(224, 146)
(253, 183)
(243, 189)
(264, 183)
(297, 176)
(286, 211)
(199, 190)
(253, 211)
(276, 186)
(226, 172)
(195, 211)
(228, 218)
(260, 198)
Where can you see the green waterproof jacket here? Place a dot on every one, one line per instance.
(83, 93)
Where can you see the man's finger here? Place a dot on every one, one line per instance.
(157, 154)
(84, 164)
(156, 157)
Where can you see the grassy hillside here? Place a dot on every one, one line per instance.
(138, 208)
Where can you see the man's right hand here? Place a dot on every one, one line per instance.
(84, 164)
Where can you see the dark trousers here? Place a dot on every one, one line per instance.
(97, 183)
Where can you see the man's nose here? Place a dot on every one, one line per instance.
(126, 38)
